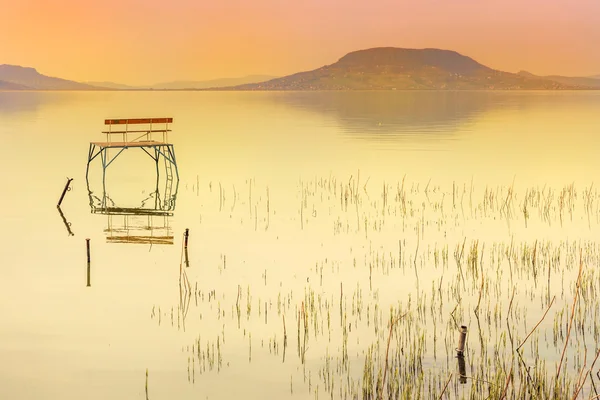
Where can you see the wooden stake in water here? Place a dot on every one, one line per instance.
(186, 235)
(87, 245)
(462, 340)
(67, 188)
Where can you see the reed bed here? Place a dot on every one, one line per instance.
(364, 285)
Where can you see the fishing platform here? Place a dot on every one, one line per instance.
(137, 133)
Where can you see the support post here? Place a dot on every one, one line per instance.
(90, 153)
(65, 190)
(186, 235)
(103, 156)
(87, 245)
(460, 354)
(462, 340)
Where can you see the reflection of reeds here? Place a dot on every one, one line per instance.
(483, 287)
(575, 297)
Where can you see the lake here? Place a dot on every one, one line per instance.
(315, 219)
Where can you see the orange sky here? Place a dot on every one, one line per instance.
(149, 41)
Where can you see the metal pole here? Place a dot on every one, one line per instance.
(67, 188)
(186, 235)
(87, 244)
(462, 339)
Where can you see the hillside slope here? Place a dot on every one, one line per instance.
(32, 79)
(397, 68)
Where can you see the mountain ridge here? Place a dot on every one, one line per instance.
(378, 68)
(4, 85)
(567, 80)
(391, 68)
(185, 85)
(31, 79)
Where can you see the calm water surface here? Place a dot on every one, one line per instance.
(341, 204)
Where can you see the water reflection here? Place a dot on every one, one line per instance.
(185, 290)
(147, 224)
(67, 223)
(397, 112)
(22, 102)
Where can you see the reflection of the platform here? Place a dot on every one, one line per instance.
(148, 224)
(131, 228)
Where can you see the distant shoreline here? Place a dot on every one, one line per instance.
(374, 69)
(303, 90)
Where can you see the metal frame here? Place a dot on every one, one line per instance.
(166, 150)
(162, 209)
(152, 148)
(165, 207)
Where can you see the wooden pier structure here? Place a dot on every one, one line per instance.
(144, 224)
(137, 133)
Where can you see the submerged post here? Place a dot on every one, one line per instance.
(87, 245)
(460, 354)
(67, 188)
(462, 340)
(462, 370)
(67, 223)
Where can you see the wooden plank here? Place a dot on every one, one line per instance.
(138, 121)
(145, 143)
(142, 131)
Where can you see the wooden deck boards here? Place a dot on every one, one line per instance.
(139, 131)
(141, 143)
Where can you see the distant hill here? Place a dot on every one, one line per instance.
(178, 85)
(389, 68)
(595, 76)
(14, 77)
(382, 68)
(112, 85)
(29, 78)
(12, 86)
(566, 80)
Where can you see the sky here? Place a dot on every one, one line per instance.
(151, 41)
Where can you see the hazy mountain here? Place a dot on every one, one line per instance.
(13, 77)
(566, 80)
(595, 76)
(212, 83)
(383, 68)
(32, 79)
(397, 68)
(112, 85)
(4, 85)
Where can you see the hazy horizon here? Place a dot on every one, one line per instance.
(186, 40)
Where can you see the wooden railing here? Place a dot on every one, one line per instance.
(143, 127)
